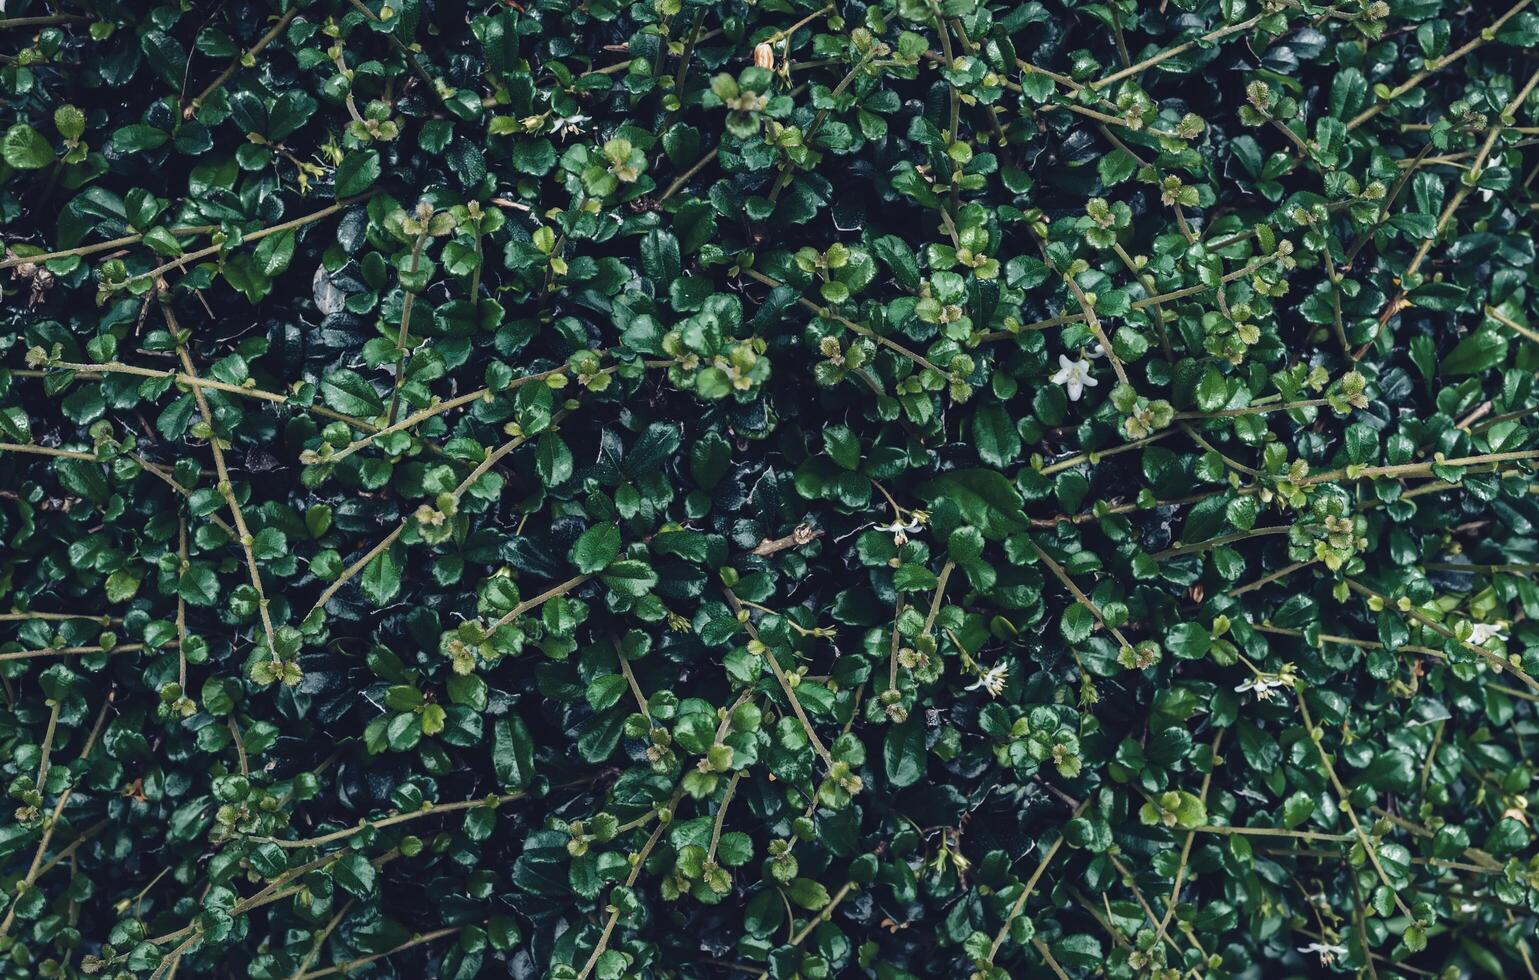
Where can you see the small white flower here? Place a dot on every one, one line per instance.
(1328, 953)
(569, 125)
(992, 680)
(1259, 685)
(900, 530)
(1265, 685)
(1097, 351)
(1481, 632)
(1074, 376)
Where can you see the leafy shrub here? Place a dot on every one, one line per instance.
(918, 489)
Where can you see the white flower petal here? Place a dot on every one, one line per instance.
(1483, 632)
(1074, 376)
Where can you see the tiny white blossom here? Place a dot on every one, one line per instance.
(569, 125)
(1258, 684)
(1265, 685)
(992, 680)
(1074, 376)
(1482, 632)
(1328, 953)
(900, 530)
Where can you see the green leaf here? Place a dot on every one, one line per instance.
(25, 148)
(553, 459)
(499, 42)
(660, 255)
(899, 257)
(1212, 391)
(1296, 810)
(356, 173)
(512, 752)
(1440, 296)
(843, 446)
(995, 436)
(807, 893)
(346, 391)
(1479, 351)
(629, 577)
(245, 274)
(1509, 836)
(122, 585)
(709, 459)
(355, 875)
(1115, 167)
(15, 425)
(985, 498)
(605, 691)
(199, 586)
(1349, 92)
(69, 121)
(137, 138)
(381, 579)
(596, 548)
(1078, 623)
(1026, 272)
(903, 754)
(736, 849)
(1188, 641)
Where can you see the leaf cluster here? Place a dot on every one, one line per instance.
(893, 489)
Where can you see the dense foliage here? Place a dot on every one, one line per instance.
(927, 488)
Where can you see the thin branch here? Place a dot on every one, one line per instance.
(1487, 34)
(391, 821)
(351, 965)
(226, 488)
(237, 61)
(1019, 905)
